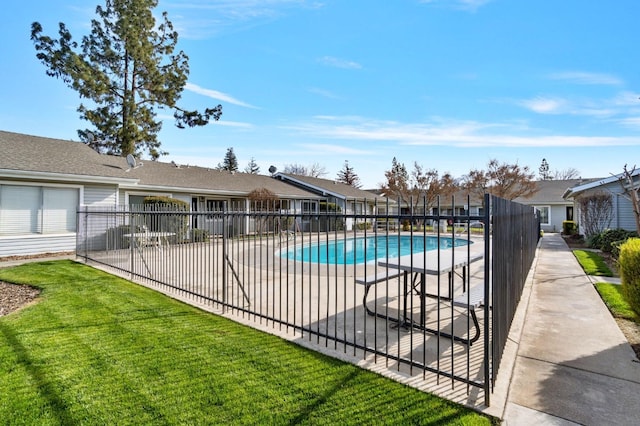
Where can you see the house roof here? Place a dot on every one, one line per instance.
(28, 157)
(33, 156)
(572, 192)
(168, 175)
(329, 187)
(550, 192)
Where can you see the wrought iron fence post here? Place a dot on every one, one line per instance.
(488, 383)
(132, 240)
(225, 258)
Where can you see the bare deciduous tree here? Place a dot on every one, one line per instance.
(595, 212)
(397, 184)
(566, 174)
(420, 189)
(314, 170)
(507, 181)
(264, 200)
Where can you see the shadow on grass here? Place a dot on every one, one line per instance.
(45, 388)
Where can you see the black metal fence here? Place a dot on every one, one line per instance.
(516, 231)
(425, 295)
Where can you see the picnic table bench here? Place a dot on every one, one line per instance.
(421, 264)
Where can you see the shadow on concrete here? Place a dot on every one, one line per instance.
(599, 389)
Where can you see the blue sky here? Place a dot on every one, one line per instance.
(450, 84)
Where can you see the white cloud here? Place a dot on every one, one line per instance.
(465, 5)
(339, 63)
(198, 19)
(214, 94)
(237, 124)
(633, 122)
(324, 93)
(624, 103)
(447, 133)
(544, 105)
(627, 99)
(581, 77)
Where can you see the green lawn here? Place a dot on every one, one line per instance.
(97, 349)
(592, 263)
(612, 296)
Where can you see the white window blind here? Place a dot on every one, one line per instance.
(59, 210)
(19, 209)
(34, 209)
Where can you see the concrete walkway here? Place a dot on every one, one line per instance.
(573, 364)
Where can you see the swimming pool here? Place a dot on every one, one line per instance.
(359, 250)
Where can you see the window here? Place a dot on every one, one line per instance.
(544, 212)
(215, 205)
(137, 200)
(37, 210)
(309, 207)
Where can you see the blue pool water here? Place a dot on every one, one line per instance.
(362, 250)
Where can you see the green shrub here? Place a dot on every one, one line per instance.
(629, 265)
(116, 239)
(594, 241)
(166, 222)
(569, 227)
(199, 235)
(607, 239)
(363, 225)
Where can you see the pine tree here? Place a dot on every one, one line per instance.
(544, 170)
(230, 162)
(252, 167)
(348, 176)
(127, 69)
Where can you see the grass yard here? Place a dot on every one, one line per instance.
(592, 263)
(97, 349)
(612, 296)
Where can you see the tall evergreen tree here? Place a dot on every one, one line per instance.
(545, 174)
(252, 167)
(348, 176)
(126, 68)
(230, 162)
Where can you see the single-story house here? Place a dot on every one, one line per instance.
(553, 208)
(349, 199)
(44, 181)
(623, 215)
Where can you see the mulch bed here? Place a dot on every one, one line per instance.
(13, 297)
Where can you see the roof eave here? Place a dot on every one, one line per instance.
(64, 177)
(167, 188)
(319, 189)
